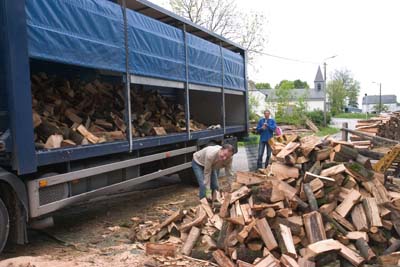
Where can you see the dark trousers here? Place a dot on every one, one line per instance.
(261, 148)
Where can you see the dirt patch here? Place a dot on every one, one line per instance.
(98, 233)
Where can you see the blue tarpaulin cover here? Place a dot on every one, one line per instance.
(87, 33)
(90, 33)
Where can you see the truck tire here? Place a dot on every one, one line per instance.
(4, 225)
(187, 177)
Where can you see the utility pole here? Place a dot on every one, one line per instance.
(380, 98)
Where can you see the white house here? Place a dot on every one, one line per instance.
(369, 102)
(314, 97)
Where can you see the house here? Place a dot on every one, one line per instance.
(369, 102)
(314, 97)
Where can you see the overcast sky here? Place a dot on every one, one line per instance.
(363, 33)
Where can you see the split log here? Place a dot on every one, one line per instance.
(54, 141)
(395, 246)
(248, 178)
(177, 215)
(366, 162)
(343, 153)
(282, 171)
(314, 227)
(287, 238)
(88, 135)
(165, 250)
(359, 218)
(288, 149)
(287, 261)
(352, 198)
(223, 212)
(372, 212)
(359, 172)
(222, 260)
(268, 261)
(238, 194)
(333, 170)
(242, 235)
(343, 221)
(365, 250)
(191, 240)
(310, 196)
(265, 232)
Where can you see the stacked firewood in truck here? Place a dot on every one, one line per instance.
(75, 112)
(387, 126)
(319, 202)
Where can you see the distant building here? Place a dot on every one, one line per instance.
(314, 97)
(369, 102)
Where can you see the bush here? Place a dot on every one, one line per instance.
(317, 117)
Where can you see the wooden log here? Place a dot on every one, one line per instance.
(222, 260)
(287, 261)
(242, 235)
(206, 207)
(265, 232)
(177, 215)
(224, 211)
(363, 160)
(36, 119)
(311, 125)
(395, 246)
(374, 139)
(249, 178)
(282, 171)
(357, 235)
(359, 172)
(70, 113)
(191, 240)
(335, 224)
(54, 141)
(365, 250)
(287, 238)
(303, 262)
(333, 170)
(329, 207)
(378, 190)
(314, 227)
(268, 261)
(310, 196)
(308, 144)
(372, 212)
(222, 235)
(391, 259)
(370, 154)
(359, 218)
(165, 250)
(308, 176)
(88, 135)
(343, 221)
(238, 194)
(345, 152)
(201, 216)
(323, 154)
(352, 198)
(243, 264)
(288, 149)
(159, 131)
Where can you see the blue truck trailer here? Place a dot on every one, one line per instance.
(138, 44)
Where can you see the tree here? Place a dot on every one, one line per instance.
(299, 84)
(223, 17)
(285, 84)
(296, 84)
(383, 108)
(263, 86)
(350, 85)
(253, 105)
(337, 95)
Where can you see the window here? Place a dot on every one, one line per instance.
(319, 87)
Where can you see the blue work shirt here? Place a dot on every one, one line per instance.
(268, 133)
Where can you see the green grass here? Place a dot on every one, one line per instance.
(353, 116)
(327, 131)
(252, 139)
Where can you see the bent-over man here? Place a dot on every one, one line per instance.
(206, 164)
(265, 127)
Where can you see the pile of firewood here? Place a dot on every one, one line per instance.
(74, 112)
(319, 202)
(387, 126)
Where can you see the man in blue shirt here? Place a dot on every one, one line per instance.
(265, 127)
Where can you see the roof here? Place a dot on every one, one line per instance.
(312, 94)
(374, 99)
(161, 14)
(319, 77)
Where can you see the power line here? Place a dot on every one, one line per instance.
(289, 59)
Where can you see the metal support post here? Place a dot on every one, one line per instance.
(187, 98)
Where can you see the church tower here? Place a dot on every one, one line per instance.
(319, 81)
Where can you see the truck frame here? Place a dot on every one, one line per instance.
(200, 65)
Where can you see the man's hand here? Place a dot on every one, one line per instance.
(264, 126)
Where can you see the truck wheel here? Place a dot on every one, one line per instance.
(4, 225)
(187, 177)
